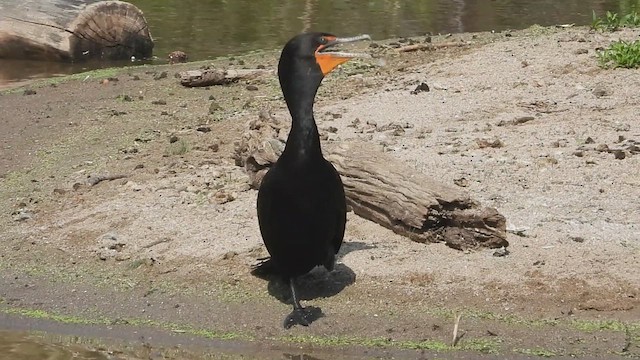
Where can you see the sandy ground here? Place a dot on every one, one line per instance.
(527, 123)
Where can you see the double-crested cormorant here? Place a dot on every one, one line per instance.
(301, 201)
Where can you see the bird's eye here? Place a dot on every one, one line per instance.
(323, 40)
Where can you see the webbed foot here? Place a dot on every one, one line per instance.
(302, 316)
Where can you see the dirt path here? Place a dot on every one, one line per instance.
(163, 240)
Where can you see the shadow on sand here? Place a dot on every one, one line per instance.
(318, 283)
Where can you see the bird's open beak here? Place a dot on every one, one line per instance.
(329, 60)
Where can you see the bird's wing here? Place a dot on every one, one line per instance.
(341, 215)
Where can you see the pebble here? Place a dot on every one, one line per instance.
(501, 252)
(214, 107)
(422, 87)
(161, 75)
(599, 91)
(619, 154)
(22, 215)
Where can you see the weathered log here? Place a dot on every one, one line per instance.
(382, 189)
(73, 30)
(208, 77)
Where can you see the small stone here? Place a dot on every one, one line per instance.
(252, 88)
(621, 127)
(229, 255)
(29, 92)
(520, 231)
(522, 120)
(173, 138)
(214, 147)
(501, 252)
(177, 56)
(602, 148)
(22, 215)
(162, 75)
(332, 129)
(214, 107)
(59, 191)
(114, 112)
(578, 153)
(589, 140)
(600, 91)
(134, 186)
(423, 87)
(223, 197)
(619, 154)
(484, 143)
(124, 97)
(203, 129)
(138, 167)
(159, 102)
(462, 182)
(581, 51)
(578, 239)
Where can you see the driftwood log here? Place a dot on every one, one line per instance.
(208, 77)
(72, 30)
(382, 189)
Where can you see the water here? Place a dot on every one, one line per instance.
(207, 29)
(29, 346)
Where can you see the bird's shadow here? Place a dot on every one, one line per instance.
(318, 283)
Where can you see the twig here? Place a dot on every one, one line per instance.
(435, 46)
(456, 338)
(95, 180)
(154, 243)
(197, 78)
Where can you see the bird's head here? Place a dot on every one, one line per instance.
(313, 48)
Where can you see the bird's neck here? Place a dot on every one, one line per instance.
(303, 141)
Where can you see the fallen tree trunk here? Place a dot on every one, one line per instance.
(208, 77)
(383, 190)
(73, 30)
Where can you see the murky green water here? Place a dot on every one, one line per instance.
(206, 29)
(28, 346)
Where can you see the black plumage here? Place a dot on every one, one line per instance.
(301, 202)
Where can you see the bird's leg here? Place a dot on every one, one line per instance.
(300, 315)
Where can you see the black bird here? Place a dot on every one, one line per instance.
(301, 202)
